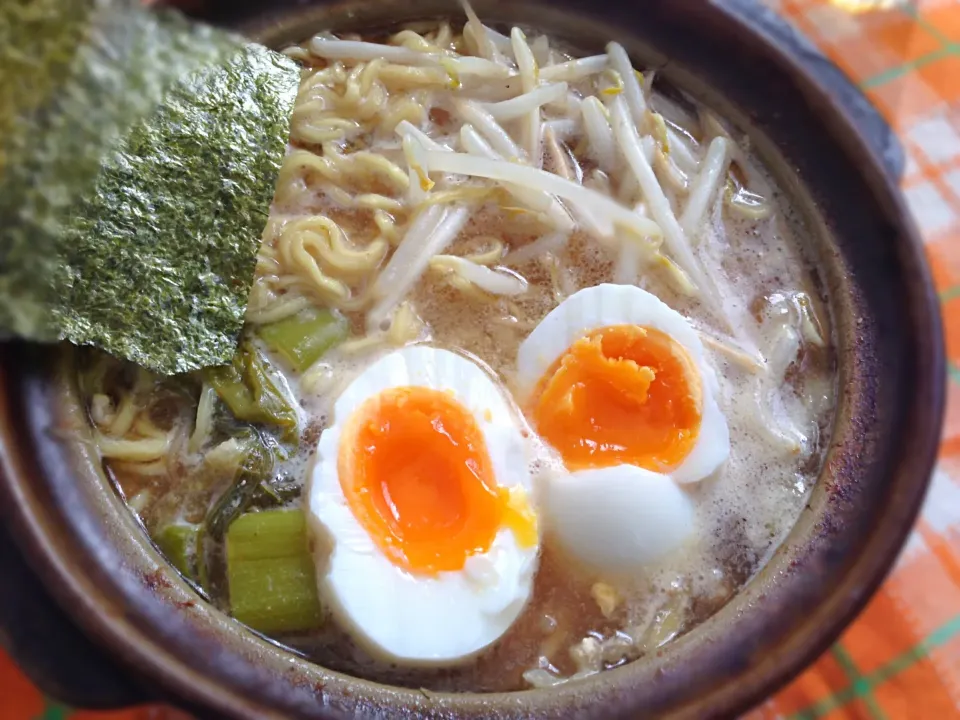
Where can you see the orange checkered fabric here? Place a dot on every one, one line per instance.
(901, 659)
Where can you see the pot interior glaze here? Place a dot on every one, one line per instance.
(830, 152)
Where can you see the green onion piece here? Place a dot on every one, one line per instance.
(272, 579)
(248, 389)
(178, 543)
(304, 338)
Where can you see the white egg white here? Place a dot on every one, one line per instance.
(616, 519)
(395, 614)
(607, 305)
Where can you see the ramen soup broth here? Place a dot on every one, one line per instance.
(358, 190)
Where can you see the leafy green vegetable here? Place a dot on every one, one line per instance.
(271, 573)
(257, 466)
(249, 460)
(138, 154)
(305, 337)
(251, 393)
(178, 542)
(278, 491)
(257, 405)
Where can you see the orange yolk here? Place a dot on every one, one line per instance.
(415, 470)
(622, 394)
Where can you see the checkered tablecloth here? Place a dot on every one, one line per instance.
(901, 659)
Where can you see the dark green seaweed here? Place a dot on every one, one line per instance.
(136, 172)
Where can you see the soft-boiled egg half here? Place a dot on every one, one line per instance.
(616, 382)
(425, 536)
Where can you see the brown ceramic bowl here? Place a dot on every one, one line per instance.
(151, 637)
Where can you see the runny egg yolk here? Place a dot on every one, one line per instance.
(414, 467)
(621, 395)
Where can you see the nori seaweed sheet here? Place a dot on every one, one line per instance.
(137, 167)
(196, 251)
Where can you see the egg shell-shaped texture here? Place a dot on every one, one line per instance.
(619, 518)
(608, 305)
(397, 615)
